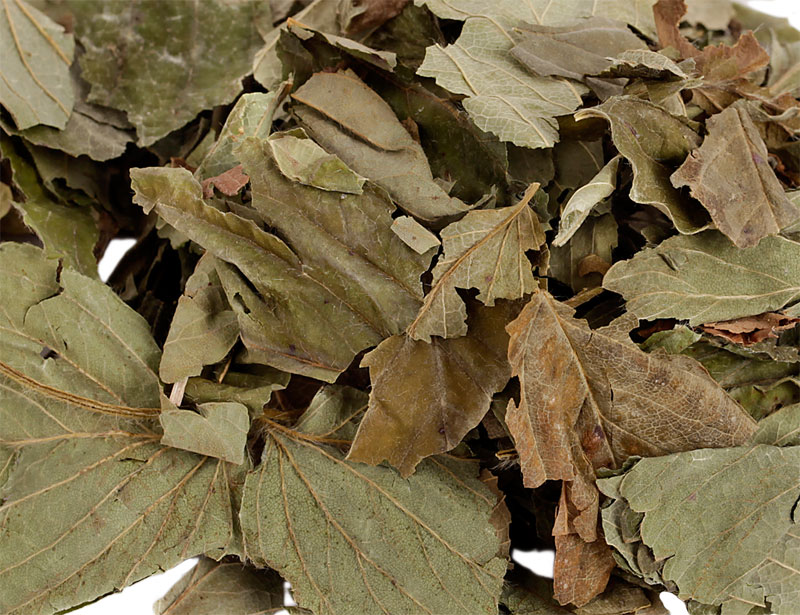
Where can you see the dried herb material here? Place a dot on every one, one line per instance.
(413, 285)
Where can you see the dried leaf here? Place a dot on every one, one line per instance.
(213, 587)
(425, 397)
(484, 250)
(228, 183)
(446, 561)
(590, 399)
(35, 85)
(655, 143)
(743, 555)
(203, 329)
(217, 429)
(573, 51)
(750, 330)
(352, 121)
(731, 176)
(160, 76)
(704, 278)
(414, 235)
(82, 418)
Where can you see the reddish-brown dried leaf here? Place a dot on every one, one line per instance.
(750, 330)
(228, 183)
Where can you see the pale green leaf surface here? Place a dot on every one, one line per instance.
(730, 174)
(646, 64)
(66, 231)
(414, 235)
(333, 412)
(385, 60)
(584, 199)
(93, 502)
(748, 550)
(163, 77)
(425, 397)
(349, 119)
(302, 160)
(705, 278)
(211, 588)
(655, 143)
(781, 428)
(484, 250)
(251, 116)
(573, 51)
(204, 327)
(35, 85)
(352, 538)
(217, 429)
(251, 389)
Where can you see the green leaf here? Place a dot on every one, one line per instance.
(781, 428)
(425, 397)
(414, 235)
(251, 116)
(644, 64)
(302, 160)
(584, 199)
(211, 588)
(309, 312)
(66, 231)
(252, 388)
(350, 120)
(332, 413)
(204, 327)
(655, 143)
(731, 176)
(35, 85)
(163, 77)
(723, 526)
(573, 51)
(484, 250)
(704, 278)
(502, 97)
(217, 429)
(354, 538)
(91, 494)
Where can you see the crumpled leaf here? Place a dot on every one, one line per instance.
(213, 587)
(447, 561)
(745, 553)
(357, 15)
(204, 327)
(731, 176)
(576, 50)
(584, 199)
(590, 399)
(253, 388)
(302, 160)
(425, 397)
(35, 84)
(80, 423)
(67, 232)
(350, 120)
(704, 278)
(229, 183)
(484, 250)
(502, 97)
(217, 429)
(309, 313)
(162, 78)
(333, 413)
(655, 143)
(583, 261)
(750, 330)
(646, 64)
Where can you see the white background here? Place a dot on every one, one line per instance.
(139, 598)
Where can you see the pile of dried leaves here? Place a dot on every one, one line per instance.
(414, 283)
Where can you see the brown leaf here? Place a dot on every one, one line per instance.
(750, 330)
(426, 396)
(359, 15)
(592, 398)
(667, 14)
(228, 183)
(731, 176)
(581, 570)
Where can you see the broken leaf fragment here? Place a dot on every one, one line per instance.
(486, 250)
(35, 84)
(217, 429)
(731, 176)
